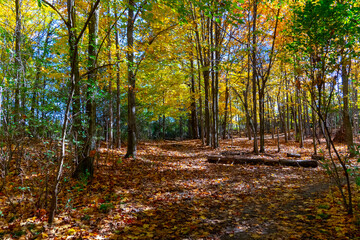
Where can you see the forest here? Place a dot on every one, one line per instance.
(179, 119)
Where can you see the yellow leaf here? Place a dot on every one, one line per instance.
(44, 235)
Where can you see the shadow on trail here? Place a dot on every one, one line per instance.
(176, 196)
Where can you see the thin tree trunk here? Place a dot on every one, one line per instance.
(224, 128)
(194, 121)
(254, 77)
(131, 147)
(111, 120)
(346, 116)
(356, 107)
(215, 91)
(18, 62)
(314, 121)
(301, 134)
(201, 115)
(118, 103)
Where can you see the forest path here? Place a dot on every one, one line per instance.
(170, 191)
(198, 200)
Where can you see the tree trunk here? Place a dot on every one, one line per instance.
(86, 164)
(224, 128)
(194, 121)
(163, 127)
(314, 121)
(110, 111)
(207, 107)
(131, 147)
(201, 115)
(254, 77)
(287, 112)
(300, 132)
(18, 62)
(262, 118)
(346, 116)
(118, 103)
(215, 89)
(356, 107)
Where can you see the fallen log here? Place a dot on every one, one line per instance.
(233, 159)
(299, 163)
(318, 157)
(293, 155)
(234, 152)
(237, 159)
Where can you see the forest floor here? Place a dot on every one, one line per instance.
(171, 192)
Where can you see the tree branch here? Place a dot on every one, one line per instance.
(87, 21)
(57, 11)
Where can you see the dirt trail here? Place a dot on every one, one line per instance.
(171, 192)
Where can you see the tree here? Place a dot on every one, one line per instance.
(320, 32)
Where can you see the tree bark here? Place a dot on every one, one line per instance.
(254, 76)
(118, 103)
(85, 166)
(346, 116)
(215, 90)
(194, 121)
(110, 111)
(224, 128)
(131, 147)
(18, 62)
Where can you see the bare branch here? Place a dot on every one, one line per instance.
(57, 11)
(87, 21)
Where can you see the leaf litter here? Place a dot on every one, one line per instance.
(171, 192)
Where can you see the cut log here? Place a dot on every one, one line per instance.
(233, 159)
(293, 155)
(237, 159)
(318, 157)
(299, 163)
(234, 152)
(271, 162)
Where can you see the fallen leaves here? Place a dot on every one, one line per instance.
(170, 191)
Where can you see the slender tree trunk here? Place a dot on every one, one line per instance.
(301, 134)
(206, 75)
(254, 77)
(131, 147)
(110, 111)
(287, 113)
(346, 116)
(215, 91)
(194, 121)
(356, 107)
(207, 107)
(201, 115)
(18, 62)
(163, 127)
(118, 103)
(74, 58)
(262, 119)
(224, 128)
(246, 91)
(314, 121)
